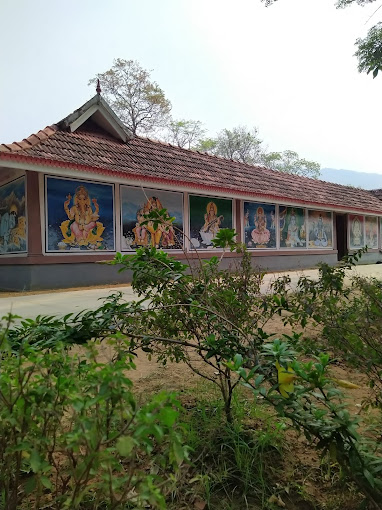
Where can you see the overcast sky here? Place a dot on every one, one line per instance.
(288, 69)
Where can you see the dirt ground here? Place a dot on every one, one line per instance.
(307, 483)
(151, 376)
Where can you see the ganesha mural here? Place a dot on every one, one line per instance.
(80, 215)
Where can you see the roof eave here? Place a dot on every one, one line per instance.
(42, 163)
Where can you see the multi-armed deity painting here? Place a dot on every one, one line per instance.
(138, 230)
(207, 216)
(259, 225)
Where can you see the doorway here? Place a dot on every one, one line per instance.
(341, 235)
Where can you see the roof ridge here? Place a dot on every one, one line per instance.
(30, 141)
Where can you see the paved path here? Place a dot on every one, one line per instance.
(61, 303)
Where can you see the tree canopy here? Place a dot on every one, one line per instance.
(139, 102)
(239, 143)
(143, 107)
(184, 133)
(369, 49)
(244, 145)
(369, 52)
(339, 3)
(291, 163)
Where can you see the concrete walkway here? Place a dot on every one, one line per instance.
(62, 303)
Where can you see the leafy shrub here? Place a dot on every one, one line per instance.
(317, 408)
(200, 310)
(73, 436)
(348, 310)
(220, 315)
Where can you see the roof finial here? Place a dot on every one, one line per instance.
(98, 88)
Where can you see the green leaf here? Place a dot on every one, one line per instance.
(35, 461)
(125, 445)
(369, 477)
(46, 482)
(178, 452)
(168, 416)
(30, 485)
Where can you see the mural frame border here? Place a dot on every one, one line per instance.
(188, 247)
(173, 250)
(300, 249)
(242, 227)
(80, 253)
(332, 225)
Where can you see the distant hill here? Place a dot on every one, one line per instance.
(350, 178)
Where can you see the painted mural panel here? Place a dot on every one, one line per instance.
(320, 228)
(371, 232)
(207, 216)
(13, 225)
(79, 216)
(259, 225)
(356, 224)
(136, 203)
(292, 227)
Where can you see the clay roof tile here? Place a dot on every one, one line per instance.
(152, 160)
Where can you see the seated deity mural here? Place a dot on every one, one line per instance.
(260, 234)
(211, 224)
(82, 228)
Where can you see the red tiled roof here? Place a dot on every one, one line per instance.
(91, 149)
(377, 193)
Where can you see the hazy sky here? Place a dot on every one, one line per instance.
(288, 69)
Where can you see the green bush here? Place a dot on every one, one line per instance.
(316, 407)
(73, 436)
(346, 308)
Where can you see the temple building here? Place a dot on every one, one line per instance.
(77, 192)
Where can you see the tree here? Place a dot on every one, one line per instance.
(339, 4)
(290, 163)
(184, 133)
(238, 144)
(369, 52)
(345, 3)
(244, 145)
(139, 102)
